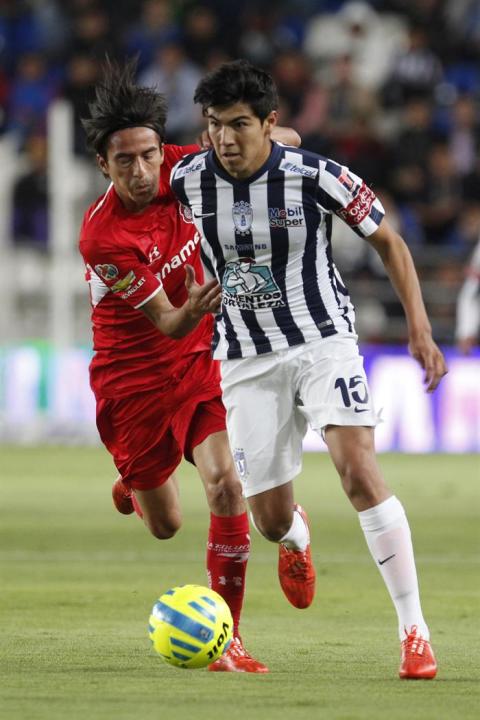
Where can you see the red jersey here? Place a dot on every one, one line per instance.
(129, 258)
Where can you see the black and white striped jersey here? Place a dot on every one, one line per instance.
(268, 241)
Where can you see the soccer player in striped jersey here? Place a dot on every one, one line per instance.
(468, 306)
(156, 386)
(286, 334)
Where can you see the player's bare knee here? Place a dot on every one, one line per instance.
(224, 494)
(362, 486)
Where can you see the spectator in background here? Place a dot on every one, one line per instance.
(32, 90)
(416, 71)
(357, 30)
(464, 135)
(155, 27)
(201, 34)
(30, 197)
(468, 306)
(173, 75)
(92, 32)
(82, 74)
(414, 138)
(439, 207)
(304, 99)
(407, 159)
(256, 41)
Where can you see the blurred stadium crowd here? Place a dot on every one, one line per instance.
(390, 88)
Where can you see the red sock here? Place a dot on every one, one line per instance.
(228, 549)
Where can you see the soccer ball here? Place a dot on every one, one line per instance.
(190, 626)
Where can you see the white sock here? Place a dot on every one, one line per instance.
(298, 537)
(387, 533)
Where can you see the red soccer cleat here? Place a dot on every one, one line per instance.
(418, 661)
(122, 497)
(237, 659)
(296, 572)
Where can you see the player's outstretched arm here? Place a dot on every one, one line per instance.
(399, 265)
(178, 322)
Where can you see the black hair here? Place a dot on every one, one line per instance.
(238, 81)
(120, 103)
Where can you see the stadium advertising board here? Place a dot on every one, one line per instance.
(45, 396)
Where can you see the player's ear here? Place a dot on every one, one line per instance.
(162, 152)
(103, 165)
(270, 121)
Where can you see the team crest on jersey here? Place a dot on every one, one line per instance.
(242, 214)
(249, 286)
(186, 213)
(240, 461)
(106, 272)
(124, 283)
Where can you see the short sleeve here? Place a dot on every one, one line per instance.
(122, 272)
(348, 196)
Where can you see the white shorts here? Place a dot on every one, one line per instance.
(271, 399)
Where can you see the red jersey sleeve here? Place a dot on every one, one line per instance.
(122, 271)
(172, 154)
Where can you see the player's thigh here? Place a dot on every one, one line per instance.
(264, 429)
(137, 432)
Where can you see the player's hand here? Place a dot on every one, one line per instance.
(204, 140)
(202, 299)
(427, 353)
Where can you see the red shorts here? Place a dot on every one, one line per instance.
(147, 433)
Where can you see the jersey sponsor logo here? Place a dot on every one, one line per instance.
(245, 247)
(288, 166)
(249, 286)
(285, 217)
(107, 272)
(242, 213)
(124, 283)
(180, 258)
(359, 208)
(133, 289)
(194, 166)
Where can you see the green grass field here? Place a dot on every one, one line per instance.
(78, 581)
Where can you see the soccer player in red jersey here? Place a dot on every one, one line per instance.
(156, 386)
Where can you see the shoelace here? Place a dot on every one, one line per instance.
(298, 564)
(413, 643)
(237, 650)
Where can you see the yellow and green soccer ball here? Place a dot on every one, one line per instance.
(190, 626)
